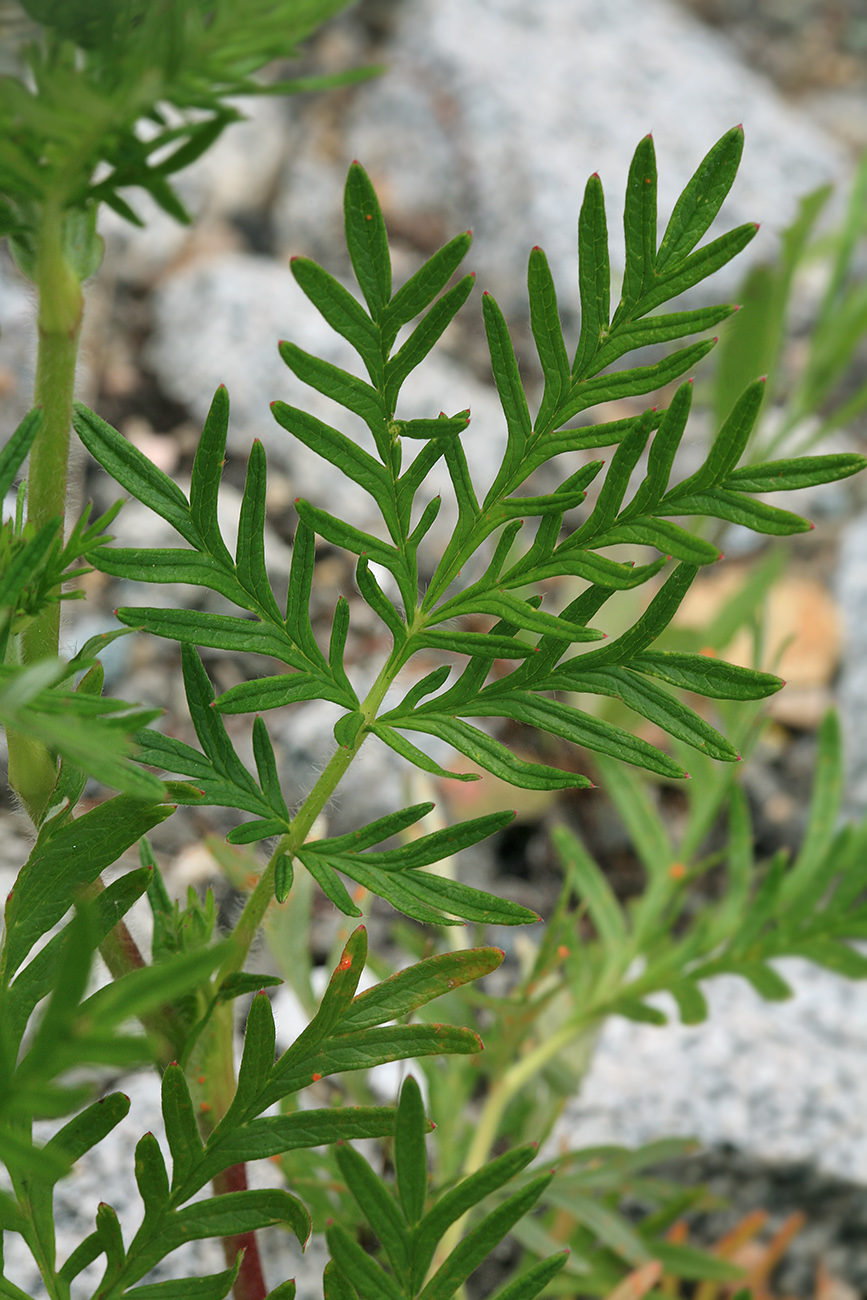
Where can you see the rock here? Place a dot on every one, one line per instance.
(780, 1080)
(494, 115)
(852, 688)
(17, 345)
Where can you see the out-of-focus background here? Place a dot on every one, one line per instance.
(490, 115)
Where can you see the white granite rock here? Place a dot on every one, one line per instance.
(782, 1080)
(493, 113)
(851, 584)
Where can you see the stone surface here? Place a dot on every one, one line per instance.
(852, 686)
(783, 1080)
(493, 115)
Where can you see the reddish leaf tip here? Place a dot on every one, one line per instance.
(595, 176)
(487, 293)
(535, 249)
(740, 758)
(686, 776)
(763, 379)
(649, 135)
(757, 225)
(472, 275)
(740, 127)
(812, 526)
(737, 306)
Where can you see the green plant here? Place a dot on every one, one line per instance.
(820, 392)
(51, 1025)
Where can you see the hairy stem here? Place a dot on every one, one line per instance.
(250, 1282)
(32, 768)
(211, 1075)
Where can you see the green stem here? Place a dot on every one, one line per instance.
(61, 305)
(32, 769)
(257, 904)
(501, 1093)
(211, 1077)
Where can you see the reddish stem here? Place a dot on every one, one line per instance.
(250, 1282)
